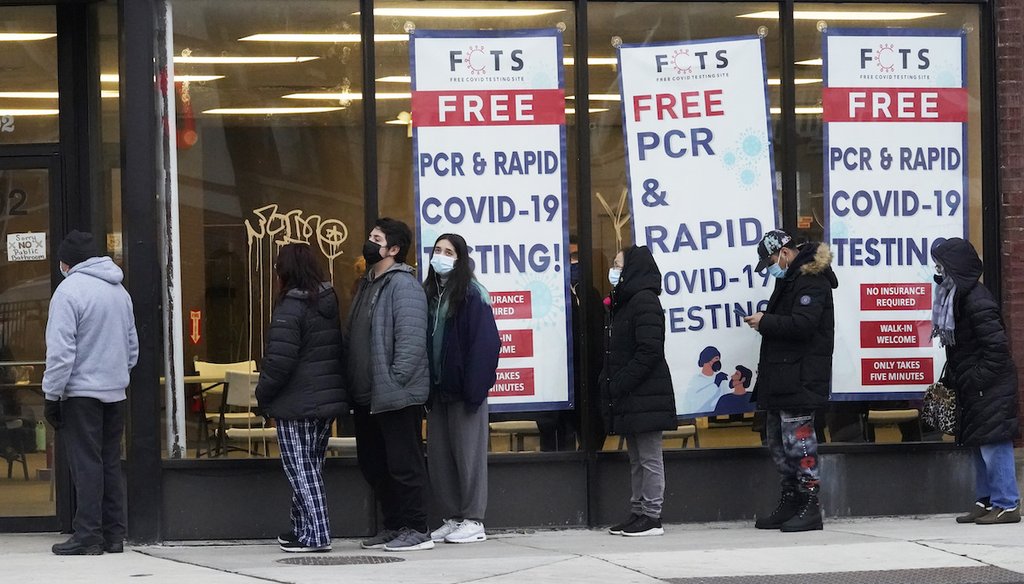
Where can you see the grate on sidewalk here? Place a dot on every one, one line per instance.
(339, 560)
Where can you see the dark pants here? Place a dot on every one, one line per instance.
(390, 450)
(91, 436)
(793, 444)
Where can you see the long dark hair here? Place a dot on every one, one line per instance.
(298, 269)
(460, 279)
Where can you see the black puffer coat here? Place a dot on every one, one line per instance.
(301, 375)
(636, 386)
(797, 334)
(978, 366)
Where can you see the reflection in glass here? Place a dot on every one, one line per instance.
(28, 75)
(258, 168)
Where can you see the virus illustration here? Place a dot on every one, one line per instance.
(475, 60)
(679, 61)
(884, 52)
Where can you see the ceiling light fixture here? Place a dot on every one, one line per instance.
(194, 60)
(113, 78)
(593, 110)
(801, 111)
(269, 111)
(345, 96)
(813, 62)
(28, 112)
(29, 95)
(843, 15)
(797, 81)
(462, 12)
(314, 37)
(25, 36)
(600, 97)
(395, 79)
(570, 61)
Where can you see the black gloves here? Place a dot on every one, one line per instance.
(53, 414)
(720, 378)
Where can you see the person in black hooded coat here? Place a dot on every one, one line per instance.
(967, 321)
(636, 386)
(301, 386)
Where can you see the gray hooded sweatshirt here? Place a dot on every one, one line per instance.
(91, 343)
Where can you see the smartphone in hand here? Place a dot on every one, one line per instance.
(739, 312)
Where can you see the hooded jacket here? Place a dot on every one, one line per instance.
(636, 386)
(797, 334)
(91, 343)
(301, 375)
(398, 362)
(470, 346)
(978, 366)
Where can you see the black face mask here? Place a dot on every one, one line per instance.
(716, 366)
(371, 252)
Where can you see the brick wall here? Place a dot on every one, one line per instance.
(1010, 87)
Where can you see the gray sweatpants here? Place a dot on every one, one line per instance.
(647, 473)
(457, 459)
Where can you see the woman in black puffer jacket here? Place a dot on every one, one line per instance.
(636, 385)
(301, 386)
(967, 321)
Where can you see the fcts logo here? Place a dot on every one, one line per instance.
(886, 58)
(476, 59)
(686, 60)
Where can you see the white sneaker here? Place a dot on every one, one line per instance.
(442, 532)
(468, 531)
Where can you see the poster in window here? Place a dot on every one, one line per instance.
(701, 179)
(895, 113)
(488, 118)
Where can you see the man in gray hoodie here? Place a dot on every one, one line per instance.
(386, 352)
(91, 346)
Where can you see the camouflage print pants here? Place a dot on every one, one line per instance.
(794, 448)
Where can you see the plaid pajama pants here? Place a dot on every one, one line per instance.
(303, 445)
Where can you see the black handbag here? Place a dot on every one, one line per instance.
(939, 410)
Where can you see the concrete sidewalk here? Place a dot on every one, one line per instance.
(881, 550)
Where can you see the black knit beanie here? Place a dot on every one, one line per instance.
(76, 248)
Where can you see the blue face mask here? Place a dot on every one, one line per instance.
(574, 273)
(776, 271)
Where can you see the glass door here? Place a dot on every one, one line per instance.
(28, 481)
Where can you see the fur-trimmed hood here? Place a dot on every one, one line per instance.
(814, 258)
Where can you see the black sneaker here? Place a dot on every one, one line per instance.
(73, 547)
(380, 540)
(617, 529)
(643, 527)
(287, 537)
(297, 547)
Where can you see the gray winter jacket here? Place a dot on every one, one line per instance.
(91, 343)
(399, 367)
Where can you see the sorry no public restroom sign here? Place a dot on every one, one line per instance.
(702, 193)
(895, 108)
(488, 116)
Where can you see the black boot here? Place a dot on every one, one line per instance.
(789, 505)
(808, 518)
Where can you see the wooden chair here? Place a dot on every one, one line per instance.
(213, 390)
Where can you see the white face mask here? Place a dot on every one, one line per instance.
(442, 264)
(64, 272)
(613, 276)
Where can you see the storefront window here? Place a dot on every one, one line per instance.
(651, 23)
(28, 75)
(521, 431)
(269, 144)
(889, 420)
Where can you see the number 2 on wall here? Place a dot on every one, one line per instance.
(6, 123)
(17, 199)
